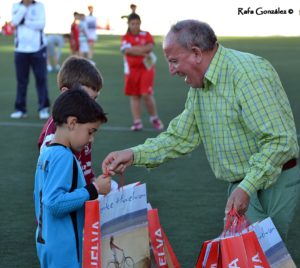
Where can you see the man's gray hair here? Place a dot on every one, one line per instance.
(189, 33)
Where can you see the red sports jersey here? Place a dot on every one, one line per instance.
(74, 38)
(84, 157)
(130, 40)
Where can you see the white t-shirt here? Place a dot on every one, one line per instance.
(91, 23)
(29, 22)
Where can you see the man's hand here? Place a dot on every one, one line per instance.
(239, 200)
(117, 162)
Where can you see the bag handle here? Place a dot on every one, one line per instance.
(235, 223)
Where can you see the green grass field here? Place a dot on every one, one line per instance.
(190, 200)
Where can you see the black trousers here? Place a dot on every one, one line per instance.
(38, 62)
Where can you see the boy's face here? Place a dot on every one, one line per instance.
(82, 134)
(92, 93)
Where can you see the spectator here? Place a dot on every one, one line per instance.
(74, 35)
(133, 9)
(7, 28)
(83, 37)
(139, 71)
(91, 22)
(55, 43)
(28, 17)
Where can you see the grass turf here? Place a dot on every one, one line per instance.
(189, 198)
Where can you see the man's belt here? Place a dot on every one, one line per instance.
(290, 164)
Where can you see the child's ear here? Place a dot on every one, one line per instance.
(63, 89)
(71, 122)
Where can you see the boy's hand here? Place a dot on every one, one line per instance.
(104, 184)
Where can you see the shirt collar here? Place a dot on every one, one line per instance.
(215, 67)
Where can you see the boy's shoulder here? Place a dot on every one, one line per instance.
(47, 131)
(56, 152)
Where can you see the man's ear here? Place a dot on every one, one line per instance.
(197, 53)
(71, 122)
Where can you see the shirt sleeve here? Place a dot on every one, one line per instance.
(56, 195)
(150, 39)
(18, 13)
(38, 22)
(179, 139)
(267, 114)
(125, 44)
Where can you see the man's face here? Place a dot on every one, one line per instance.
(183, 62)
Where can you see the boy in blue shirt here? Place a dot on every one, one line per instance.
(60, 189)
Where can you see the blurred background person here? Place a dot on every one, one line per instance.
(83, 37)
(133, 10)
(28, 18)
(7, 28)
(74, 34)
(55, 43)
(91, 22)
(139, 72)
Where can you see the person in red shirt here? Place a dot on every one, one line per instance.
(7, 28)
(139, 62)
(76, 71)
(74, 36)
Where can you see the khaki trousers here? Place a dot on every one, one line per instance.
(278, 202)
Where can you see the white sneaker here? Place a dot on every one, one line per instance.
(18, 115)
(49, 68)
(57, 67)
(44, 113)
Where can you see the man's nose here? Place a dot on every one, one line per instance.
(172, 69)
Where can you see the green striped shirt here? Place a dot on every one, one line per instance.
(243, 118)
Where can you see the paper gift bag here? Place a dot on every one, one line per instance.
(233, 252)
(91, 243)
(202, 254)
(237, 246)
(255, 254)
(272, 244)
(212, 257)
(163, 254)
(123, 229)
(150, 60)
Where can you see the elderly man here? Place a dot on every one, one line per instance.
(238, 109)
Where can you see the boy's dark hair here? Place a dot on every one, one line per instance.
(76, 102)
(133, 16)
(76, 70)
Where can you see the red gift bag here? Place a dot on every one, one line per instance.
(233, 252)
(209, 256)
(255, 254)
(202, 254)
(91, 245)
(160, 246)
(237, 246)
